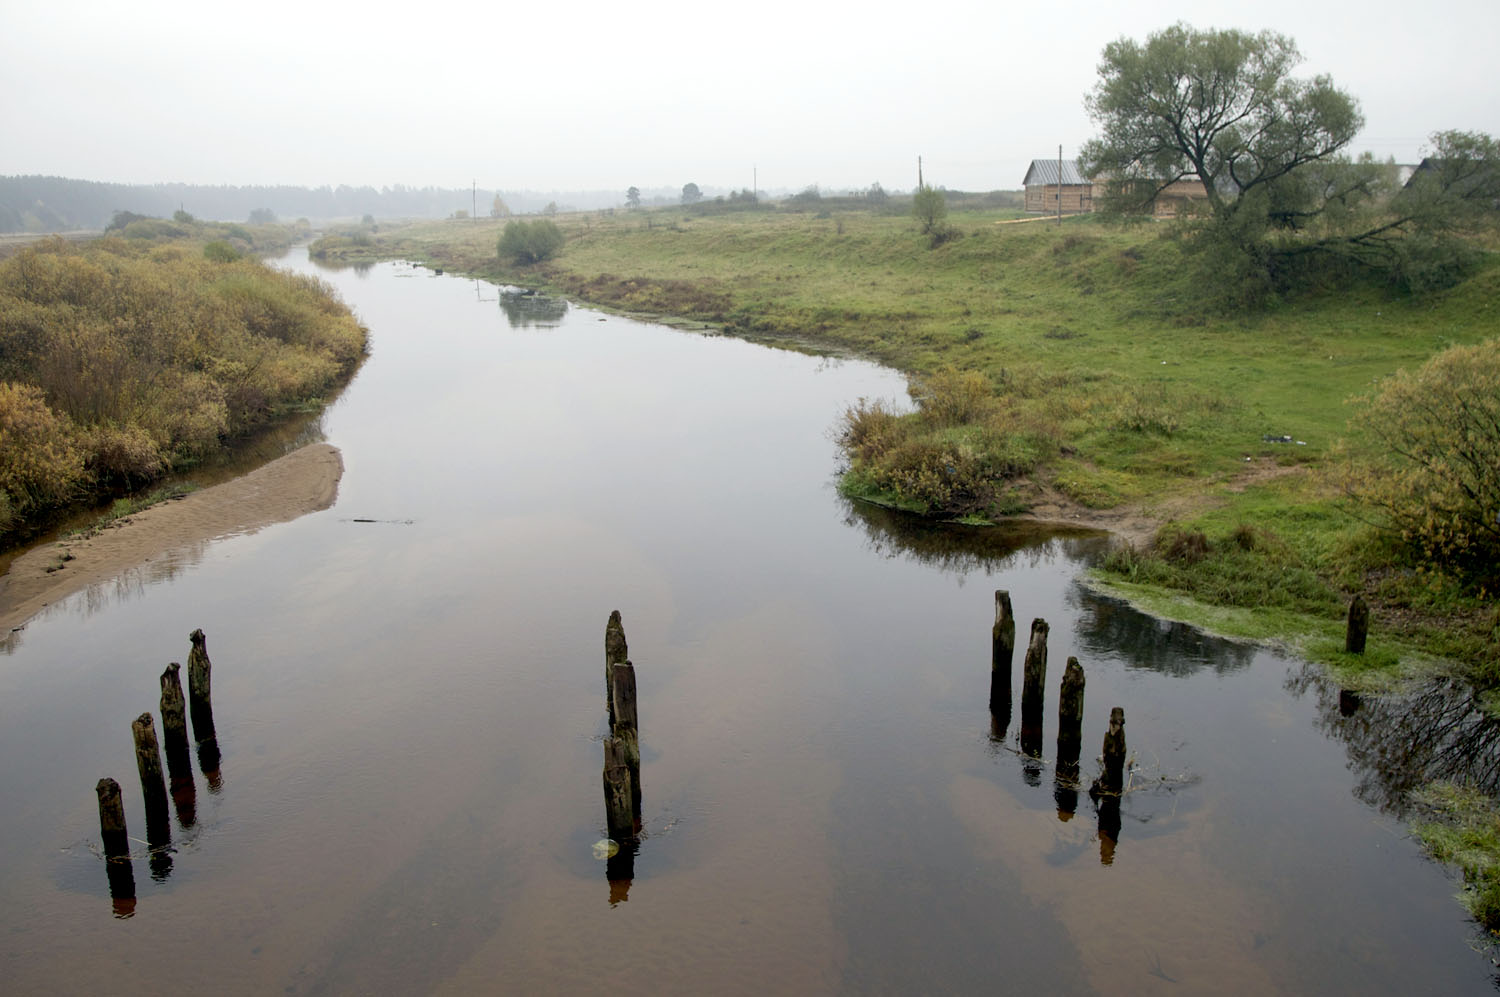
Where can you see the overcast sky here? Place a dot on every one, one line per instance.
(592, 96)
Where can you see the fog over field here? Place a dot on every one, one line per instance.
(594, 96)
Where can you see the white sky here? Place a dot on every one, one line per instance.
(577, 96)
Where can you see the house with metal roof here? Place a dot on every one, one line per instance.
(1046, 187)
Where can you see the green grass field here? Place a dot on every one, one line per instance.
(1100, 351)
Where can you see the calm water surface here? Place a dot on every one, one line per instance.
(409, 713)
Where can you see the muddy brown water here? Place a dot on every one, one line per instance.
(409, 712)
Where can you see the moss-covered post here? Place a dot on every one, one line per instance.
(1112, 780)
(619, 810)
(1033, 689)
(1002, 654)
(1359, 626)
(118, 868)
(616, 652)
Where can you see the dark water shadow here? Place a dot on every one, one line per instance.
(1112, 627)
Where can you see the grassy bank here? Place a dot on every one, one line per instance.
(125, 358)
(1073, 367)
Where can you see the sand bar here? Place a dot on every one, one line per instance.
(304, 481)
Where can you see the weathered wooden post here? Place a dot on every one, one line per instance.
(148, 762)
(1111, 781)
(200, 674)
(1002, 654)
(616, 652)
(154, 789)
(1069, 739)
(619, 809)
(1070, 714)
(175, 742)
(118, 868)
(112, 831)
(1359, 626)
(200, 708)
(627, 728)
(1033, 689)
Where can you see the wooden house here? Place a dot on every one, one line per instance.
(1045, 187)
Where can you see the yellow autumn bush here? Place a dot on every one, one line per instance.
(1436, 474)
(125, 358)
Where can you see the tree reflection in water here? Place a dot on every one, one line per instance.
(524, 309)
(960, 549)
(1398, 743)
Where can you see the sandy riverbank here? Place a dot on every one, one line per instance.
(304, 481)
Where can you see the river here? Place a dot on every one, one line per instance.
(408, 695)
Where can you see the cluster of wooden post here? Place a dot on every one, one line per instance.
(1070, 707)
(148, 755)
(622, 748)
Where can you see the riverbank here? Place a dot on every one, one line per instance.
(1129, 402)
(302, 482)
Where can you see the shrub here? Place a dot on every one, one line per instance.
(220, 251)
(1436, 477)
(40, 462)
(953, 397)
(530, 242)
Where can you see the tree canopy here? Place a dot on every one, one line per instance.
(1218, 106)
(1223, 108)
(691, 194)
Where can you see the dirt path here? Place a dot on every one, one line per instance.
(304, 481)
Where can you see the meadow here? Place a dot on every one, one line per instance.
(1088, 366)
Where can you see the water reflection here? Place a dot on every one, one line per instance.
(1109, 626)
(1398, 743)
(527, 309)
(960, 549)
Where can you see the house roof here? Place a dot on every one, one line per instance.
(1044, 171)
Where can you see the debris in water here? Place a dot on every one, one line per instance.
(605, 848)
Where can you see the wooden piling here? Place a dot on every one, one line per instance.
(1033, 691)
(1070, 714)
(174, 723)
(1358, 628)
(200, 699)
(619, 809)
(1002, 653)
(627, 727)
(1034, 679)
(116, 839)
(616, 652)
(1112, 780)
(118, 869)
(148, 762)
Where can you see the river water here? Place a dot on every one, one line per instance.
(408, 696)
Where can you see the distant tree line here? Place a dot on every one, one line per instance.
(56, 204)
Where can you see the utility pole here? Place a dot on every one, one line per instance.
(474, 200)
(1059, 184)
(754, 184)
(919, 173)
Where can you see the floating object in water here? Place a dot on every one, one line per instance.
(605, 848)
